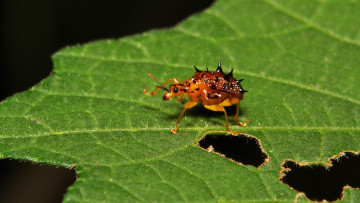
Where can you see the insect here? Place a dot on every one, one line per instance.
(213, 89)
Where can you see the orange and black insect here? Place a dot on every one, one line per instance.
(213, 89)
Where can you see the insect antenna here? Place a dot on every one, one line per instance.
(162, 87)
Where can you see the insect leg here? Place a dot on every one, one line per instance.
(153, 92)
(180, 98)
(174, 80)
(221, 108)
(188, 105)
(237, 114)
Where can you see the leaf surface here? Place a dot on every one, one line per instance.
(301, 68)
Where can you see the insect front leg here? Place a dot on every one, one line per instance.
(180, 98)
(158, 88)
(153, 92)
(188, 105)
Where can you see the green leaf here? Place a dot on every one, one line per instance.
(300, 60)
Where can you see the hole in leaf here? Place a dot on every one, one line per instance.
(25, 181)
(241, 149)
(319, 182)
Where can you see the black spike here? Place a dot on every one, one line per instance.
(207, 69)
(219, 70)
(239, 81)
(231, 72)
(197, 70)
(227, 77)
(242, 90)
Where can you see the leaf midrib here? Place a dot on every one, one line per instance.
(189, 129)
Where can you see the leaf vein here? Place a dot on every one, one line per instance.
(319, 28)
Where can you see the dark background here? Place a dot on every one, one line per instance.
(31, 31)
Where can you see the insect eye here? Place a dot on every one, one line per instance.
(175, 90)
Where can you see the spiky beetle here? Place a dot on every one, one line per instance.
(213, 89)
